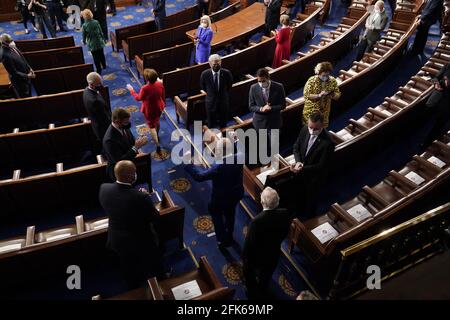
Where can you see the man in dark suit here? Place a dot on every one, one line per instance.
(98, 8)
(131, 234)
(20, 72)
(118, 142)
(313, 151)
(159, 11)
(262, 244)
(112, 7)
(96, 107)
(202, 6)
(430, 14)
(227, 189)
(272, 15)
(217, 83)
(266, 100)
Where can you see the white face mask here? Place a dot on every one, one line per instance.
(264, 84)
(314, 132)
(204, 25)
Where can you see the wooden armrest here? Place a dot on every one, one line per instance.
(346, 73)
(16, 175)
(343, 214)
(100, 159)
(209, 273)
(372, 194)
(79, 222)
(401, 179)
(358, 125)
(377, 113)
(155, 289)
(29, 239)
(427, 164)
(59, 167)
(167, 199)
(238, 120)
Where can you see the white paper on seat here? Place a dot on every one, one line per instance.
(10, 247)
(291, 159)
(59, 237)
(386, 113)
(436, 161)
(187, 291)
(346, 136)
(359, 212)
(263, 175)
(325, 232)
(414, 177)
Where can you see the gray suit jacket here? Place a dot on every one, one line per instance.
(378, 22)
(277, 100)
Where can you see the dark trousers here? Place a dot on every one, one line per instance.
(421, 38)
(361, 48)
(223, 217)
(112, 6)
(44, 21)
(159, 22)
(257, 280)
(55, 13)
(202, 8)
(26, 16)
(99, 60)
(22, 88)
(217, 116)
(299, 5)
(101, 18)
(441, 117)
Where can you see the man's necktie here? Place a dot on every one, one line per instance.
(264, 93)
(216, 81)
(312, 139)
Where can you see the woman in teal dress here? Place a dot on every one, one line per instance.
(95, 39)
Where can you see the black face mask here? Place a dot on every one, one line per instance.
(216, 68)
(127, 126)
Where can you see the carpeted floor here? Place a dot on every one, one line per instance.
(198, 232)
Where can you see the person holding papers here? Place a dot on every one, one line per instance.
(227, 189)
(313, 151)
(262, 244)
(131, 234)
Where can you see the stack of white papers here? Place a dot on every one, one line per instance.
(325, 232)
(436, 161)
(359, 212)
(187, 291)
(387, 113)
(346, 135)
(59, 237)
(414, 177)
(263, 175)
(10, 247)
(291, 159)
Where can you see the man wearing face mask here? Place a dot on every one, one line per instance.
(217, 83)
(20, 72)
(98, 111)
(375, 24)
(313, 151)
(266, 100)
(118, 142)
(131, 232)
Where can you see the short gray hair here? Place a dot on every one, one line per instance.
(92, 77)
(214, 57)
(269, 199)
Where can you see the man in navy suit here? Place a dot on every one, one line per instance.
(159, 11)
(430, 14)
(227, 189)
(20, 72)
(272, 15)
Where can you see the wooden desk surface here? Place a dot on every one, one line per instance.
(4, 78)
(236, 26)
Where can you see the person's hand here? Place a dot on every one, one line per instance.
(153, 11)
(143, 190)
(273, 32)
(141, 141)
(31, 75)
(129, 87)
(437, 86)
(266, 108)
(297, 167)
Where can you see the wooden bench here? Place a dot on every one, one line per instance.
(54, 58)
(44, 44)
(63, 79)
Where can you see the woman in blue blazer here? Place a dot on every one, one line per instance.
(203, 40)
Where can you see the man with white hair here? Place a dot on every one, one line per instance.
(375, 24)
(19, 71)
(217, 83)
(98, 111)
(262, 244)
(227, 189)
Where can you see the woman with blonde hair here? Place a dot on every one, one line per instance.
(94, 38)
(203, 40)
(153, 102)
(318, 92)
(283, 39)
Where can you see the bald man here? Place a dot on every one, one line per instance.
(98, 111)
(131, 234)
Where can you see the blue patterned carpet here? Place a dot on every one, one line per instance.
(286, 281)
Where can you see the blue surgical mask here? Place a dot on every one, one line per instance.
(324, 78)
